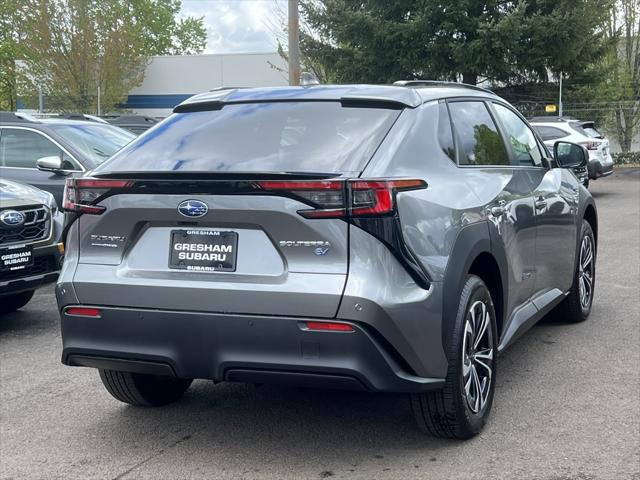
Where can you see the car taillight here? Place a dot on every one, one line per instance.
(80, 194)
(342, 199)
(591, 145)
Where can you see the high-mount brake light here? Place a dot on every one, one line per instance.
(81, 193)
(342, 199)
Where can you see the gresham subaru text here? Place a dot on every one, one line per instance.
(380, 238)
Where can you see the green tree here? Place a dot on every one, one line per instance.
(623, 84)
(11, 14)
(74, 48)
(163, 32)
(508, 41)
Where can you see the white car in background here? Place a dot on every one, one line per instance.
(553, 129)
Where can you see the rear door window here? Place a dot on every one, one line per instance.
(477, 137)
(310, 136)
(520, 137)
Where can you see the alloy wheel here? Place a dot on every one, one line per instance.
(585, 272)
(477, 356)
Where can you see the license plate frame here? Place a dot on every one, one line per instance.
(21, 255)
(221, 259)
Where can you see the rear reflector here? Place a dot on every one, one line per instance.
(83, 312)
(328, 327)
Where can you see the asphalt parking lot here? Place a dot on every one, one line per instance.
(567, 403)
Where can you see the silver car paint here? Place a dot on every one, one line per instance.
(364, 284)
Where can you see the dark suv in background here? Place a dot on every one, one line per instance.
(43, 152)
(380, 238)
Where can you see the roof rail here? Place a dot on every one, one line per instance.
(130, 119)
(552, 118)
(436, 83)
(217, 89)
(17, 117)
(78, 116)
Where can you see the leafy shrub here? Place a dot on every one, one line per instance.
(626, 158)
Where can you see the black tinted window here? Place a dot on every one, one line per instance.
(477, 137)
(550, 133)
(22, 148)
(260, 137)
(445, 136)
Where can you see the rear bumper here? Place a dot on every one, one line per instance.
(45, 270)
(598, 169)
(246, 348)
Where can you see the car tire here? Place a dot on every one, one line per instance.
(11, 303)
(454, 411)
(575, 308)
(143, 390)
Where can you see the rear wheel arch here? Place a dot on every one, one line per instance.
(486, 267)
(471, 241)
(591, 217)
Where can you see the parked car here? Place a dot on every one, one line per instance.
(136, 124)
(380, 238)
(30, 248)
(552, 129)
(44, 152)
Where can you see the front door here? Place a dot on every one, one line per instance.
(555, 196)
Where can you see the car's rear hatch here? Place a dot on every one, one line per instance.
(247, 254)
(202, 213)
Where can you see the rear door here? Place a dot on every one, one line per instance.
(246, 171)
(505, 191)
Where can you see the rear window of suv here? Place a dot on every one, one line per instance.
(260, 137)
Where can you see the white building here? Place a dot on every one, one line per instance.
(170, 79)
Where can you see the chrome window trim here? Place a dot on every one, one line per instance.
(48, 137)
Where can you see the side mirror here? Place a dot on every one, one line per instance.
(50, 164)
(570, 155)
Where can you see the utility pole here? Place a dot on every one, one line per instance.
(294, 43)
(99, 100)
(40, 100)
(560, 98)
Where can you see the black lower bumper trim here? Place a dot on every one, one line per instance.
(121, 365)
(245, 348)
(298, 379)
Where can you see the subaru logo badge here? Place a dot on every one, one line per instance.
(12, 218)
(193, 208)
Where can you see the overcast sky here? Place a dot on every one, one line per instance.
(238, 25)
